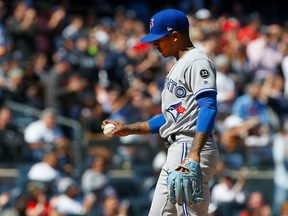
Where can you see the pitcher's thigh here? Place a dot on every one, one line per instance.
(161, 206)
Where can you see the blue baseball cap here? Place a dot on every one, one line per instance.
(165, 22)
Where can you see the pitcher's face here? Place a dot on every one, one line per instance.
(165, 45)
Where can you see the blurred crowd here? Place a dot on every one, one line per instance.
(91, 66)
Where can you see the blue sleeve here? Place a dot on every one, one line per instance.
(208, 110)
(156, 122)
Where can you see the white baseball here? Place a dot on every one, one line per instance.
(108, 129)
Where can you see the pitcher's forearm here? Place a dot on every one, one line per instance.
(199, 141)
(139, 128)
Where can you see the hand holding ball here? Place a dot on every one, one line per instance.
(108, 129)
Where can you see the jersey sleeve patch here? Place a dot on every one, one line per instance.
(204, 73)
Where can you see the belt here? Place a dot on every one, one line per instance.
(173, 137)
(170, 139)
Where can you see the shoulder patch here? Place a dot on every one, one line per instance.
(204, 74)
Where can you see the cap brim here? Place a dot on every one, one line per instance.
(151, 37)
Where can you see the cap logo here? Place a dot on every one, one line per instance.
(151, 23)
(169, 28)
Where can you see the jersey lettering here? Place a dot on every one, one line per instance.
(171, 86)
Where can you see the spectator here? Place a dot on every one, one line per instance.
(70, 201)
(225, 85)
(45, 171)
(19, 209)
(74, 29)
(280, 156)
(91, 117)
(228, 195)
(250, 105)
(4, 39)
(284, 209)
(55, 85)
(37, 201)
(251, 30)
(232, 139)
(284, 63)
(16, 85)
(4, 200)
(50, 22)
(229, 27)
(272, 94)
(44, 135)
(63, 91)
(117, 61)
(55, 25)
(264, 53)
(12, 139)
(21, 26)
(111, 205)
(4, 90)
(84, 61)
(95, 178)
(256, 205)
(34, 90)
(40, 66)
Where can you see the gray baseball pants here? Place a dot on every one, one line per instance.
(177, 151)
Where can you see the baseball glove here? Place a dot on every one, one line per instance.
(185, 186)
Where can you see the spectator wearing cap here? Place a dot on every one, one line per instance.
(16, 85)
(228, 43)
(251, 30)
(203, 14)
(44, 135)
(204, 29)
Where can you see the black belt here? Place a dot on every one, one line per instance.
(170, 139)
